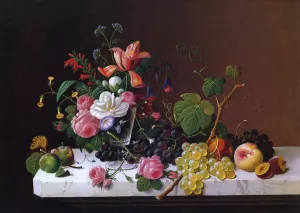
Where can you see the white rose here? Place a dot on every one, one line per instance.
(109, 105)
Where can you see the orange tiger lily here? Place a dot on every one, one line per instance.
(127, 61)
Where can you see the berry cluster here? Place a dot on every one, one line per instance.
(109, 152)
(261, 141)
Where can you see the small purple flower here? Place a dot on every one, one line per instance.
(99, 30)
(97, 53)
(107, 123)
(150, 91)
(117, 27)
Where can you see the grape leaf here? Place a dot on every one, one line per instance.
(233, 71)
(156, 184)
(213, 86)
(221, 129)
(193, 119)
(61, 172)
(191, 97)
(142, 184)
(32, 162)
(178, 108)
(207, 106)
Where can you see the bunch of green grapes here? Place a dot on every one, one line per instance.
(195, 166)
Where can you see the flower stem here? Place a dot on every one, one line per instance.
(141, 129)
(117, 139)
(118, 169)
(109, 46)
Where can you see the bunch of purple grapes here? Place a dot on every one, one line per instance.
(109, 152)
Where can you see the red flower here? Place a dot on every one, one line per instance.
(73, 63)
(168, 89)
(84, 76)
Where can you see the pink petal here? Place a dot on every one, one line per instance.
(97, 181)
(132, 50)
(118, 55)
(142, 55)
(107, 182)
(108, 71)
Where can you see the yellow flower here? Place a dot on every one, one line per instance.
(59, 115)
(40, 103)
(50, 78)
(75, 95)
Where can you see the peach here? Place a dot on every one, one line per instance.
(219, 148)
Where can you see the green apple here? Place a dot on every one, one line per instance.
(49, 163)
(64, 154)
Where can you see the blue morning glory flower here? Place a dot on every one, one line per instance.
(107, 123)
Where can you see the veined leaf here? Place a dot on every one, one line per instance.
(70, 132)
(94, 143)
(32, 162)
(61, 172)
(156, 184)
(80, 142)
(213, 86)
(81, 88)
(142, 184)
(233, 71)
(97, 91)
(71, 109)
(63, 88)
(178, 108)
(207, 106)
(193, 98)
(221, 129)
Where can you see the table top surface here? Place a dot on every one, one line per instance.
(78, 184)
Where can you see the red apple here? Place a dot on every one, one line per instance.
(247, 157)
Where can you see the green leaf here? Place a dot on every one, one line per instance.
(97, 91)
(156, 184)
(221, 129)
(61, 172)
(32, 162)
(81, 88)
(233, 71)
(213, 86)
(63, 88)
(128, 178)
(70, 132)
(178, 108)
(207, 106)
(193, 119)
(142, 184)
(80, 142)
(137, 176)
(193, 98)
(70, 116)
(71, 109)
(94, 143)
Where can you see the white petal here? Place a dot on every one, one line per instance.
(112, 100)
(118, 101)
(104, 114)
(121, 110)
(104, 95)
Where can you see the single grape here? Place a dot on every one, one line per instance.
(185, 146)
(196, 155)
(212, 171)
(193, 146)
(203, 160)
(230, 166)
(179, 161)
(194, 164)
(203, 166)
(191, 170)
(180, 168)
(150, 153)
(199, 184)
(199, 176)
(221, 175)
(203, 146)
(218, 166)
(187, 191)
(230, 175)
(192, 177)
(162, 145)
(185, 172)
(186, 154)
(192, 185)
(158, 151)
(197, 191)
(98, 154)
(225, 169)
(212, 161)
(225, 159)
(203, 152)
(205, 174)
(183, 184)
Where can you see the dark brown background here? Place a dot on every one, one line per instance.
(261, 35)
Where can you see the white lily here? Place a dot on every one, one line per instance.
(109, 105)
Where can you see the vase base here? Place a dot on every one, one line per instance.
(116, 164)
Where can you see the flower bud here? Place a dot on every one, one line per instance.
(114, 83)
(105, 83)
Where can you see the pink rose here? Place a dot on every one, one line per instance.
(97, 174)
(151, 168)
(107, 182)
(84, 102)
(84, 124)
(172, 174)
(156, 116)
(128, 97)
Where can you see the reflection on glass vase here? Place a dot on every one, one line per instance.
(123, 137)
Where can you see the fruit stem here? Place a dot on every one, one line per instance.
(212, 134)
(75, 167)
(237, 128)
